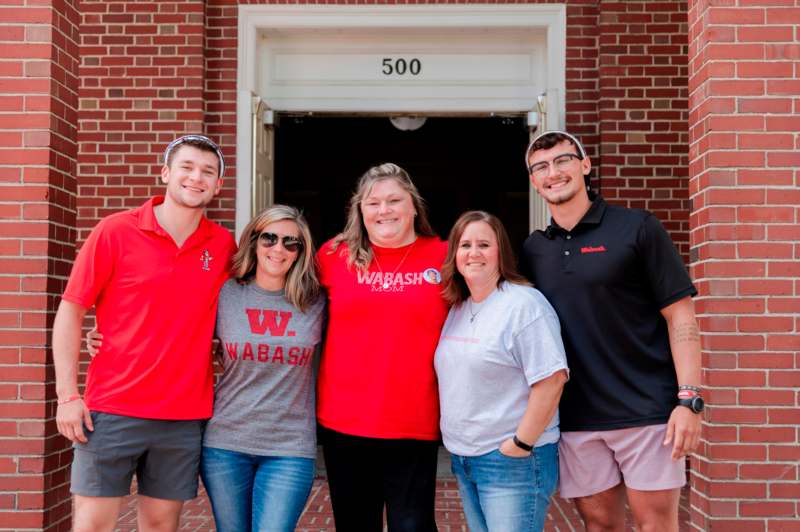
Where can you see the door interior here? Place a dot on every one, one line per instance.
(458, 164)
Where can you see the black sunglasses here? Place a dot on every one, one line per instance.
(290, 243)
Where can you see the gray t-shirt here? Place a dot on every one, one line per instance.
(264, 402)
(486, 367)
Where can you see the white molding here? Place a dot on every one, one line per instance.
(255, 20)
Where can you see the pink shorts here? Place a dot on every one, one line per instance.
(594, 461)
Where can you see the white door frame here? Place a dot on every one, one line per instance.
(255, 20)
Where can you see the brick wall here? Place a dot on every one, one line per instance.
(151, 70)
(643, 110)
(744, 160)
(38, 76)
(142, 80)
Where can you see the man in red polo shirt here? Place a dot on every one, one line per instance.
(153, 275)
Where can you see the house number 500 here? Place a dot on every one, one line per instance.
(401, 66)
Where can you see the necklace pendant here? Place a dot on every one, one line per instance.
(472, 319)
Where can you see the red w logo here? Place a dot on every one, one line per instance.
(261, 320)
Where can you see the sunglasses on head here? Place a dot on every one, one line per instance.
(200, 139)
(290, 243)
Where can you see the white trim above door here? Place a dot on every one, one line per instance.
(396, 59)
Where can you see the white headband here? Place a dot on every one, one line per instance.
(578, 145)
(200, 139)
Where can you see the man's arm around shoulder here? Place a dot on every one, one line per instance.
(72, 412)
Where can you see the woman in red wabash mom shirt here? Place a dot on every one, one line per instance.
(377, 397)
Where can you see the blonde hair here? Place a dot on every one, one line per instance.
(455, 289)
(354, 236)
(302, 283)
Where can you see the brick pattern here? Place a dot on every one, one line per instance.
(151, 70)
(643, 110)
(142, 77)
(744, 123)
(38, 75)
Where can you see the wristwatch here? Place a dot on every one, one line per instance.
(522, 445)
(694, 403)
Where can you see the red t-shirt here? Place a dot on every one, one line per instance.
(377, 377)
(156, 308)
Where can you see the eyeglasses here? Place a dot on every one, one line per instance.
(290, 243)
(557, 134)
(560, 163)
(199, 139)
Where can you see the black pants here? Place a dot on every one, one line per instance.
(364, 474)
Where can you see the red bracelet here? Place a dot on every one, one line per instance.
(686, 394)
(68, 399)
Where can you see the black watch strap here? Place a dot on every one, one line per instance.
(522, 445)
(695, 403)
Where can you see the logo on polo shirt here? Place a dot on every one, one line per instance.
(593, 249)
(205, 258)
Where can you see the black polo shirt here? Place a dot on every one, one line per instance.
(608, 279)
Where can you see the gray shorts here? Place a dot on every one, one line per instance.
(164, 454)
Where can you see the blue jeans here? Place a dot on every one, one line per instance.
(504, 494)
(250, 492)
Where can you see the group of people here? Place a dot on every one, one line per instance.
(579, 370)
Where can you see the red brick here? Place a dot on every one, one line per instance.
(767, 434)
(738, 490)
(766, 397)
(765, 105)
(735, 378)
(784, 453)
(765, 324)
(784, 490)
(768, 471)
(764, 70)
(782, 378)
(765, 214)
(19, 520)
(738, 415)
(736, 159)
(762, 34)
(719, 15)
(779, 15)
(766, 508)
(774, 287)
(733, 342)
(739, 525)
(766, 360)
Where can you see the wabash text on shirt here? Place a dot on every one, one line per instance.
(269, 323)
(397, 282)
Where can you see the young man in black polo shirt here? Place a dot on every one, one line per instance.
(631, 410)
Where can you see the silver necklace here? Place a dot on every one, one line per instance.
(473, 315)
(387, 281)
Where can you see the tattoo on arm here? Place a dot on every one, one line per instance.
(685, 332)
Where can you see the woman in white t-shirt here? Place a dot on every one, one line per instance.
(501, 367)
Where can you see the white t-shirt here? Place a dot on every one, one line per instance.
(486, 367)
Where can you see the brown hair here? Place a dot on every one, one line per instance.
(302, 284)
(548, 139)
(201, 142)
(355, 235)
(455, 289)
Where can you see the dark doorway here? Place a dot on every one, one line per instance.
(458, 164)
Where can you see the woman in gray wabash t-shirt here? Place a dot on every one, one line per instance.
(259, 447)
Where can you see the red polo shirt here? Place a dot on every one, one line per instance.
(156, 308)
